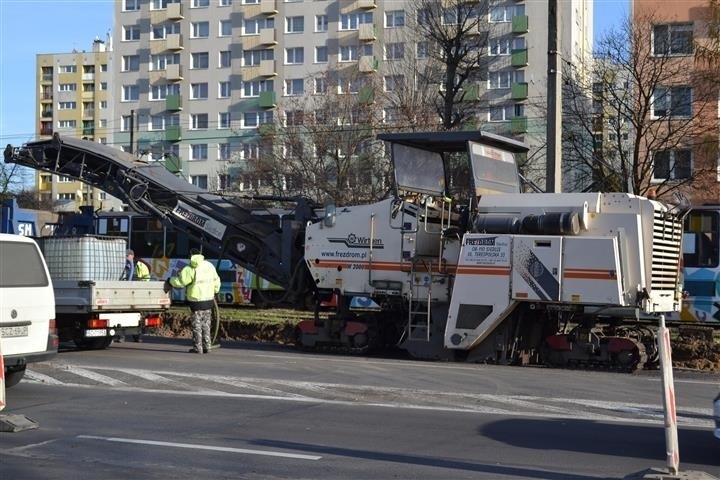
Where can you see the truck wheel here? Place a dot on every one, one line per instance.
(93, 343)
(13, 376)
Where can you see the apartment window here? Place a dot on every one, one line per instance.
(394, 51)
(321, 54)
(673, 39)
(131, 5)
(225, 59)
(125, 123)
(130, 63)
(501, 113)
(199, 181)
(672, 164)
(395, 18)
(200, 30)
(294, 24)
(157, 122)
(161, 4)
(160, 92)
(254, 57)
(199, 151)
(130, 33)
(250, 2)
(225, 28)
(67, 124)
(198, 121)
(501, 14)
(253, 119)
(225, 3)
(161, 31)
(422, 49)
(198, 90)
(224, 120)
(249, 151)
(67, 105)
(320, 85)
(224, 153)
(253, 26)
(391, 115)
(64, 179)
(130, 93)
(67, 69)
(499, 46)
(224, 89)
(294, 118)
(66, 196)
(253, 88)
(501, 79)
(321, 23)
(200, 3)
(393, 82)
(160, 62)
(672, 102)
(103, 104)
(200, 60)
(350, 21)
(294, 56)
(348, 53)
(294, 86)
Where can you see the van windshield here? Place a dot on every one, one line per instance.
(21, 265)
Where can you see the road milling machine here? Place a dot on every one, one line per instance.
(456, 263)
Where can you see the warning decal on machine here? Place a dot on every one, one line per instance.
(486, 250)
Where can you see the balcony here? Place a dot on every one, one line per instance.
(46, 131)
(47, 97)
(46, 113)
(173, 72)
(366, 4)
(267, 68)
(174, 42)
(173, 133)
(520, 24)
(519, 58)
(267, 99)
(519, 90)
(366, 96)
(88, 113)
(88, 132)
(172, 13)
(366, 32)
(268, 7)
(367, 64)
(267, 36)
(471, 93)
(173, 103)
(518, 125)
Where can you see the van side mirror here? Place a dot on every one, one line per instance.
(329, 217)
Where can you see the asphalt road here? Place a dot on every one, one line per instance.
(153, 411)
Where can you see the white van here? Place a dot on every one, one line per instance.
(27, 307)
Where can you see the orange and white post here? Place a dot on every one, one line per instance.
(2, 378)
(671, 437)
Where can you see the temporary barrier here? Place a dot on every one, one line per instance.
(2, 378)
(671, 438)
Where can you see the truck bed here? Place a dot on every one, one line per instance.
(72, 296)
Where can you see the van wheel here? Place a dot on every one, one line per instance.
(93, 343)
(13, 376)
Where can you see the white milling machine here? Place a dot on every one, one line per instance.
(501, 276)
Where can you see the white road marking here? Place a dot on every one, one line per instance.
(41, 378)
(194, 446)
(84, 372)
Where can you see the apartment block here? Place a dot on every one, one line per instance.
(196, 80)
(686, 101)
(73, 99)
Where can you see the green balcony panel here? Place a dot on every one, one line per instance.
(172, 164)
(267, 99)
(519, 57)
(366, 95)
(520, 24)
(519, 91)
(471, 93)
(173, 133)
(88, 132)
(518, 125)
(173, 103)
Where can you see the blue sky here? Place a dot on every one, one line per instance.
(29, 27)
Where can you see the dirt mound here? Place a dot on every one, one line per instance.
(696, 348)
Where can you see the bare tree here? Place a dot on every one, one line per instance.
(323, 145)
(12, 180)
(453, 36)
(637, 121)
